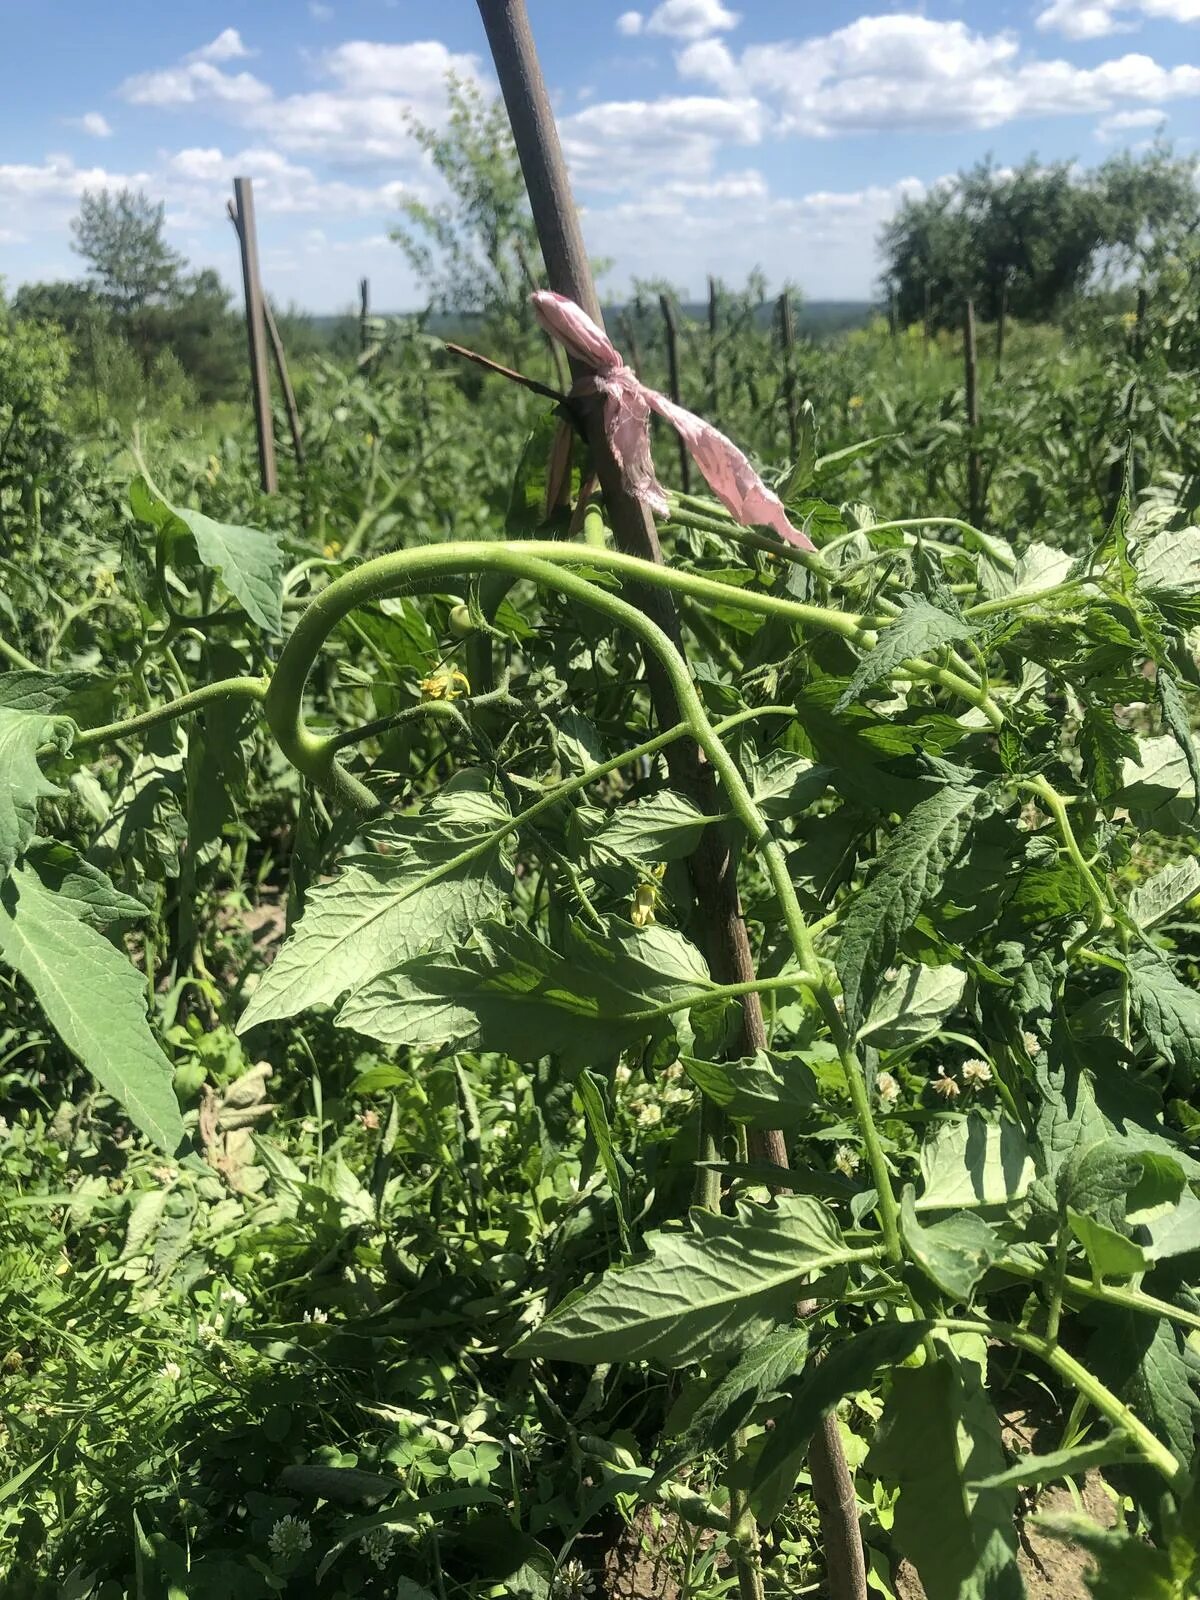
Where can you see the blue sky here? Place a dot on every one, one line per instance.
(703, 135)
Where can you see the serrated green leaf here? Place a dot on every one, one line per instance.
(1033, 1471)
(937, 1433)
(1168, 566)
(1143, 1361)
(1153, 900)
(657, 827)
(510, 992)
(248, 561)
(1110, 1254)
(974, 1162)
(1177, 720)
(849, 1364)
(784, 784)
(908, 873)
(22, 781)
(93, 996)
(444, 872)
(92, 895)
(595, 1109)
(953, 1254)
(1166, 1009)
(767, 1090)
(912, 1004)
(719, 1285)
(763, 1370)
(46, 692)
(919, 629)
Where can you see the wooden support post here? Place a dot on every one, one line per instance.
(713, 867)
(280, 359)
(971, 374)
(364, 315)
(260, 378)
(713, 321)
(671, 323)
(787, 341)
(1139, 327)
(629, 342)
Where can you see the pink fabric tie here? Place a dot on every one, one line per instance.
(628, 403)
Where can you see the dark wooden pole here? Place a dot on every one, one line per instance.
(1139, 327)
(971, 374)
(364, 314)
(787, 341)
(280, 359)
(714, 311)
(671, 324)
(713, 868)
(260, 378)
(629, 339)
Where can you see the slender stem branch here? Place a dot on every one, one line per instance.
(1108, 1293)
(225, 689)
(1098, 1394)
(1056, 805)
(1016, 602)
(14, 657)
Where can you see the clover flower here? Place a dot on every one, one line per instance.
(947, 1087)
(573, 1581)
(888, 1090)
(377, 1546)
(171, 1371)
(289, 1538)
(846, 1159)
(976, 1073)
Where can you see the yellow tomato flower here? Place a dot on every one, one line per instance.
(855, 402)
(447, 683)
(333, 549)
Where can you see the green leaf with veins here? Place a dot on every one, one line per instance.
(1167, 1010)
(248, 562)
(513, 993)
(384, 909)
(721, 1284)
(657, 827)
(912, 1004)
(1154, 899)
(953, 1254)
(909, 872)
(919, 630)
(764, 1370)
(766, 1090)
(938, 1432)
(22, 781)
(90, 991)
(972, 1161)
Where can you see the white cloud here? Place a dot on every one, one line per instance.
(93, 123)
(320, 12)
(1123, 121)
(417, 71)
(194, 83)
(1095, 19)
(630, 23)
(690, 19)
(620, 143)
(887, 72)
(227, 46)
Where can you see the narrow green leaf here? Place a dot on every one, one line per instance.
(850, 1364)
(1176, 718)
(908, 873)
(248, 561)
(1110, 1254)
(953, 1254)
(721, 1284)
(919, 629)
(93, 996)
(1033, 1471)
(592, 1101)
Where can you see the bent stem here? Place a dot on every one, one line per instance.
(543, 563)
(1163, 1460)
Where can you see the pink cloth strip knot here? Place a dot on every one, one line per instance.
(628, 403)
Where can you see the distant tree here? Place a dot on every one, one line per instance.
(120, 235)
(198, 325)
(1033, 236)
(476, 251)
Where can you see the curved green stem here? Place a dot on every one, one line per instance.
(542, 563)
(225, 689)
(1056, 805)
(1096, 1393)
(1107, 1293)
(14, 657)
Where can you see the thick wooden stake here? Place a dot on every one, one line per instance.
(260, 378)
(713, 321)
(280, 359)
(974, 477)
(787, 340)
(713, 868)
(1139, 327)
(671, 324)
(364, 315)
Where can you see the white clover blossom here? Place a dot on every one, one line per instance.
(976, 1073)
(171, 1371)
(888, 1090)
(623, 1073)
(1033, 1045)
(289, 1538)
(649, 1115)
(847, 1160)
(947, 1087)
(573, 1581)
(319, 1314)
(377, 1546)
(232, 1296)
(208, 1333)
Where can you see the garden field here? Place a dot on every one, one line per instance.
(530, 1070)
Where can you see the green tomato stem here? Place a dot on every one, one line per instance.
(254, 689)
